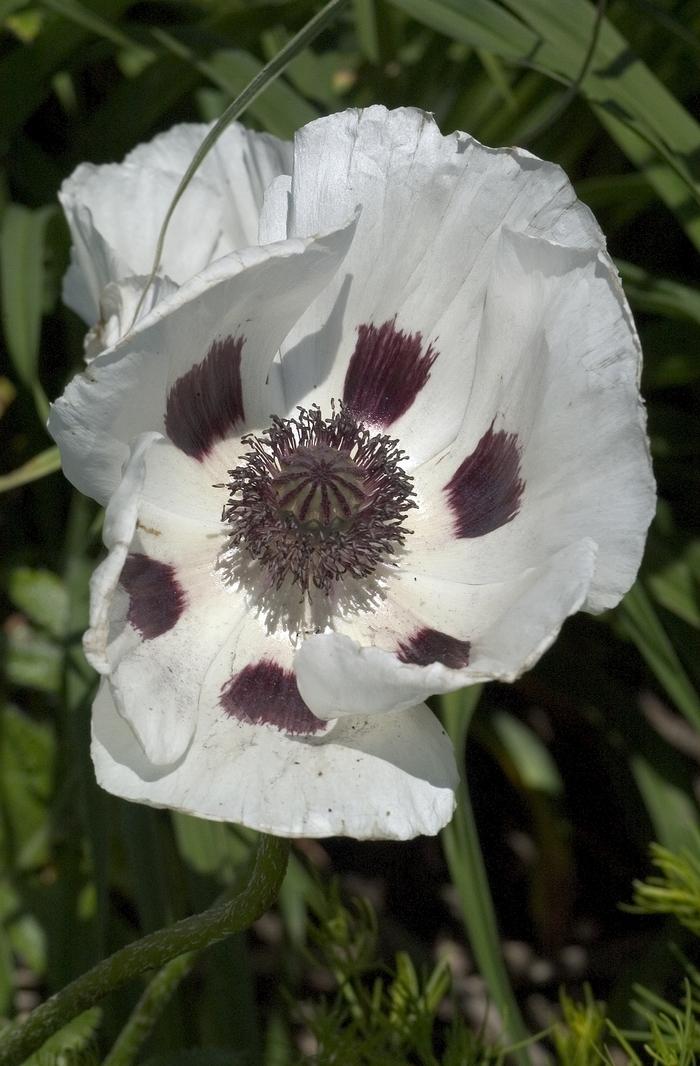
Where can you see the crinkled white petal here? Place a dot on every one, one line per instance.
(115, 211)
(156, 682)
(385, 778)
(240, 167)
(338, 676)
(432, 209)
(256, 294)
(558, 364)
(122, 305)
(118, 531)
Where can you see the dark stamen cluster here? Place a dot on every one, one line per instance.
(315, 499)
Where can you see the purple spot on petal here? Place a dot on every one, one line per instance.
(265, 694)
(206, 403)
(386, 372)
(486, 489)
(156, 598)
(431, 646)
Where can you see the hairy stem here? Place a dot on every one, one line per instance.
(153, 952)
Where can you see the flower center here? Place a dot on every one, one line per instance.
(315, 499)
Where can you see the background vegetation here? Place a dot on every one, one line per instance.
(572, 771)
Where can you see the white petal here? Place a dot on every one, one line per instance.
(558, 366)
(115, 211)
(122, 305)
(275, 211)
(386, 778)
(255, 294)
(156, 648)
(240, 167)
(432, 208)
(119, 526)
(509, 626)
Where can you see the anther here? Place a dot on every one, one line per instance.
(316, 499)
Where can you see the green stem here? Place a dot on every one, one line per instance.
(460, 841)
(149, 1009)
(153, 952)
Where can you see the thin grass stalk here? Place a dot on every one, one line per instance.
(269, 72)
(148, 1010)
(460, 841)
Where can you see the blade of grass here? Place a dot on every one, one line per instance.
(367, 29)
(47, 462)
(460, 841)
(660, 296)
(642, 624)
(148, 1010)
(573, 89)
(22, 239)
(94, 23)
(269, 72)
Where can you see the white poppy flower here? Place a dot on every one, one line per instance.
(382, 455)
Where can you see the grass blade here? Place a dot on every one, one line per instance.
(641, 623)
(22, 245)
(460, 841)
(47, 462)
(269, 72)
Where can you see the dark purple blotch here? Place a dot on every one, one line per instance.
(206, 403)
(486, 488)
(428, 646)
(156, 598)
(386, 372)
(264, 693)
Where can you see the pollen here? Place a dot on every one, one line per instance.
(317, 499)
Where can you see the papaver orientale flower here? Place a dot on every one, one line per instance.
(373, 434)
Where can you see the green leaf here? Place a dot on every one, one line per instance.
(676, 585)
(26, 780)
(659, 296)
(41, 596)
(670, 353)
(213, 848)
(29, 941)
(22, 256)
(367, 29)
(95, 24)
(535, 767)
(641, 623)
(33, 661)
(47, 462)
(6, 973)
(197, 1057)
(63, 1048)
(673, 815)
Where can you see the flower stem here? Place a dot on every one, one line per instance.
(460, 841)
(153, 952)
